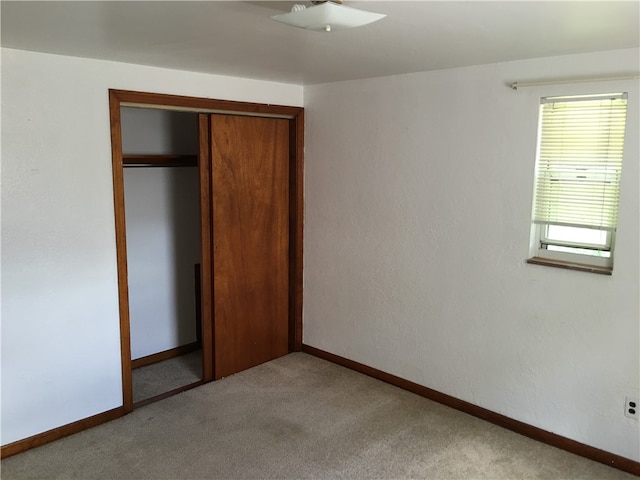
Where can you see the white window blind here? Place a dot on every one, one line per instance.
(580, 160)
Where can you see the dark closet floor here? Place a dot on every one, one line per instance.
(167, 375)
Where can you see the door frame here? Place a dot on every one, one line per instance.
(295, 116)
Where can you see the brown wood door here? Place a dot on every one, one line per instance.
(250, 182)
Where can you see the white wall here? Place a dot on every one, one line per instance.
(418, 205)
(163, 245)
(60, 326)
(153, 131)
(163, 230)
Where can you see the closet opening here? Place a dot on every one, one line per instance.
(208, 198)
(162, 212)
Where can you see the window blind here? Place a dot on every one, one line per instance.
(579, 161)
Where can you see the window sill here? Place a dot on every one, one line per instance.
(569, 265)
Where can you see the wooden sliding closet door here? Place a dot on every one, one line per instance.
(250, 184)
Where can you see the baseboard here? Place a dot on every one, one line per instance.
(170, 393)
(60, 432)
(522, 428)
(166, 355)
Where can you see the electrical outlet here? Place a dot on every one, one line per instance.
(631, 408)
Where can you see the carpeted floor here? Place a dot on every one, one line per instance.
(299, 417)
(167, 375)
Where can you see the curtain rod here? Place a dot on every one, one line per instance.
(516, 85)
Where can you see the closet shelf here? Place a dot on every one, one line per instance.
(160, 160)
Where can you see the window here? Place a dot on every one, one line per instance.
(577, 183)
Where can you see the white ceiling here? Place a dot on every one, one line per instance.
(238, 38)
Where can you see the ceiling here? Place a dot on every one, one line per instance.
(238, 38)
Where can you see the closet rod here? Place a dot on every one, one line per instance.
(159, 160)
(561, 81)
(157, 165)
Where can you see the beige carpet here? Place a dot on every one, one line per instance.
(299, 417)
(167, 375)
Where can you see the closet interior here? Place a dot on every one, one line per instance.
(162, 212)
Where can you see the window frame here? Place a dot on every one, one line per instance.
(539, 241)
(538, 250)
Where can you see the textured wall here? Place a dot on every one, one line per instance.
(418, 205)
(60, 325)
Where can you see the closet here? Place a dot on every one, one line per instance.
(160, 171)
(208, 208)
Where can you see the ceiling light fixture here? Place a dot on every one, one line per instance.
(327, 16)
